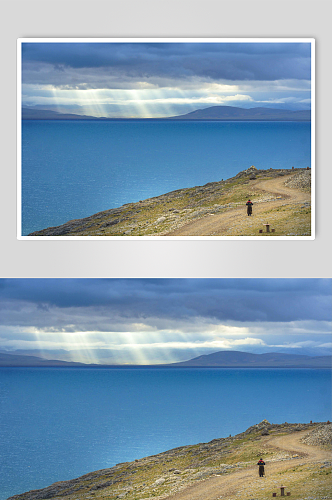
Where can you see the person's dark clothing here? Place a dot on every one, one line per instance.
(249, 207)
(261, 464)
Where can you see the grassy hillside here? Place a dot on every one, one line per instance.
(163, 214)
(171, 472)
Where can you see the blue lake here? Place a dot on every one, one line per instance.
(73, 169)
(60, 423)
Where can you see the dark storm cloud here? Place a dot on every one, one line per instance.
(241, 300)
(139, 61)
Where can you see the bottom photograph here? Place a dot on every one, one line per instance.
(180, 389)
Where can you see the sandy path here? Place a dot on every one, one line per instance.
(217, 225)
(247, 481)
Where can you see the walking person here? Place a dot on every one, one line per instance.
(249, 207)
(261, 464)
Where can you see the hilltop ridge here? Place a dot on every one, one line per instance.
(231, 113)
(266, 360)
(7, 359)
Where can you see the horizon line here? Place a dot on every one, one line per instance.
(173, 117)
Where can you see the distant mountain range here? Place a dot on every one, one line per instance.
(21, 360)
(237, 359)
(222, 359)
(46, 114)
(227, 113)
(234, 113)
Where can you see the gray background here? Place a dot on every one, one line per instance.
(160, 18)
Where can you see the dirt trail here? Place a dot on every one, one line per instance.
(218, 224)
(245, 482)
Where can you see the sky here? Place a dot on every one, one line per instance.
(160, 79)
(151, 321)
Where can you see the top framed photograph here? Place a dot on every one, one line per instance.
(166, 138)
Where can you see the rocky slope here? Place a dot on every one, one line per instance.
(320, 436)
(300, 180)
(163, 214)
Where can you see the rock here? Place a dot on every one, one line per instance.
(102, 485)
(159, 481)
(322, 435)
(264, 425)
(301, 180)
(110, 223)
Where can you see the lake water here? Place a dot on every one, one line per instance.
(60, 423)
(73, 169)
